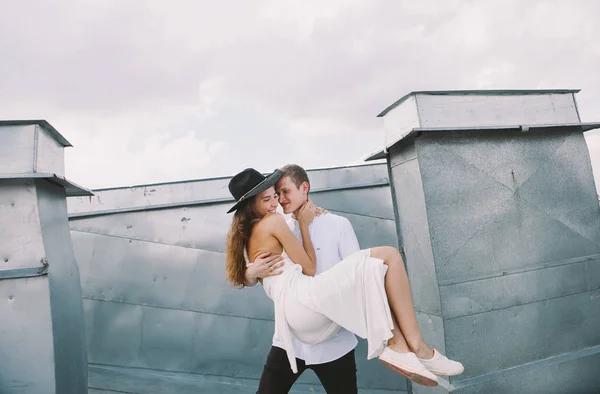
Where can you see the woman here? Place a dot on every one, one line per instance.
(355, 294)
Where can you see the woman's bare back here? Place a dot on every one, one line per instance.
(261, 240)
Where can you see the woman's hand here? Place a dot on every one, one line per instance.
(320, 211)
(306, 213)
(264, 265)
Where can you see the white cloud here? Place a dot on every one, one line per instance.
(240, 78)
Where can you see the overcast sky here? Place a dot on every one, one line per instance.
(155, 91)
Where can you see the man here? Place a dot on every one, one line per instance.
(333, 239)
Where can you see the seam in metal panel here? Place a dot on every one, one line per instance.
(20, 273)
(222, 177)
(145, 240)
(101, 366)
(358, 214)
(170, 374)
(399, 238)
(526, 367)
(576, 106)
(214, 201)
(35, 147)
(205, 378)
(176, 309)
(542, 164)
(476, 230)
(418, 110)
(402, 162)
(525, 303)
(433, 249)
(429, 313)
(112, 391)
(515, 271)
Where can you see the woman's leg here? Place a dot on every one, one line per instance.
(397, 342)
(407, 336)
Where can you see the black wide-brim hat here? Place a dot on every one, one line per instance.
(249, 183)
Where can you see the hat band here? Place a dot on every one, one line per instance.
(251, 190)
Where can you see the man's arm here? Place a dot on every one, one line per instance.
(263, 266)
(348, 243)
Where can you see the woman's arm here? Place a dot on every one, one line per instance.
(279, 229)
(305, 216)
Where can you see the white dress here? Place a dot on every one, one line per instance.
(351, 295)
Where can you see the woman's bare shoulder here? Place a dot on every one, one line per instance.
(271, 221)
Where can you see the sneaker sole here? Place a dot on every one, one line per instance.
(445, 373)
(413, 377)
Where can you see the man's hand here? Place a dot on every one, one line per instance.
(264, 266)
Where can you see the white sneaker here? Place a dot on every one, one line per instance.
(408, 365)
(441, 365)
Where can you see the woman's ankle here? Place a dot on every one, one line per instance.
(420, 348)
(400, 347)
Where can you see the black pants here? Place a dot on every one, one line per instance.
(337, 377)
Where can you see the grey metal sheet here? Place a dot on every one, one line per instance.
(402, 154)
(146, 273)
(474, 297)
(198, 191)
(522, 237)
(432, 329)
(50, 156)
(401, 121)
(563, 188)
(493, 110)
(71, 189)
(17, 148)
(113, 332)
(26, 337)
(372, 201)
(29, 149)
(204, 342)
(579, 375)
(372, 232)
(477, 93)
(509, 160)
(65, 291)
(175, 340)
(205, 227)
(511, 130)
(142, 272)
(140, 381)
(482, 227)
(376, 155)
(526, 333)
(151, 195)
(22, 245)
(412, 219)
(199, 227)
(348, 177)
(40, 122)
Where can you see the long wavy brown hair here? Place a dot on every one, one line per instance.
(237, 239)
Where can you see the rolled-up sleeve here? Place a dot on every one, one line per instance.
(348, 242)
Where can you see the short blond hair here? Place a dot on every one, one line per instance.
(296, 173)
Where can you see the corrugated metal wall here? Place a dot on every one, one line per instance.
(160, 316)
(502, 238)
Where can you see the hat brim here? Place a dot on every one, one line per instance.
(261, 187)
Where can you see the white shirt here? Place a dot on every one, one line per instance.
(333, 239)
